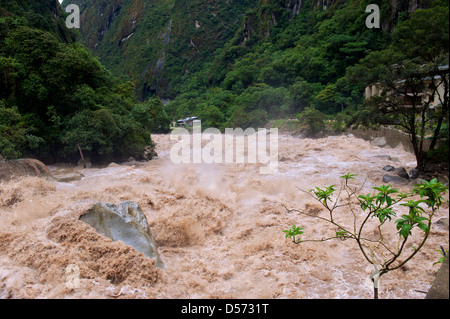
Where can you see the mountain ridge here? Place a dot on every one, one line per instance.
(156, 43)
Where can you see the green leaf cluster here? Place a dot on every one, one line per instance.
(293, 232)
(407, 222)
(382, 204)
(324, 194)
(444, 254)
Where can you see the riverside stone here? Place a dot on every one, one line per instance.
(394, 179)
(414, 173)
(389, 168)
(402, 172)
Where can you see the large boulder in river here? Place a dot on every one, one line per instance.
(22, 167)
(125, 222)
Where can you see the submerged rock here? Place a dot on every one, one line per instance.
(150, 153)
(442, 179)
(125, 222)
(65, 175)
(385, 157)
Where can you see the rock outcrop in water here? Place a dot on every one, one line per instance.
(125, 222)
(65, 175)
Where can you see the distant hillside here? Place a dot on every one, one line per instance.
(155, 43)
(160, 44)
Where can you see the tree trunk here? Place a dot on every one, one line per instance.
(82, 157)
(421, 161)
(376, 280)
(436, 133)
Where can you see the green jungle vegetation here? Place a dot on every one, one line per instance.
(55, 97)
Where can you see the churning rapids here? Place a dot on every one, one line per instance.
(218, 227)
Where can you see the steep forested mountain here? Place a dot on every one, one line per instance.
(154, 42)
(239, 62)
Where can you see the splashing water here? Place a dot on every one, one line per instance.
(218, 227)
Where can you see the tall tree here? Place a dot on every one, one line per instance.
(411, 77)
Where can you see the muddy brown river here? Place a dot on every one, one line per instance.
(218, 228)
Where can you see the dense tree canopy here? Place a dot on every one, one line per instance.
(56, 97)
